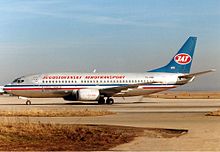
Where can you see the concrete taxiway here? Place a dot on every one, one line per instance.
(204, 131)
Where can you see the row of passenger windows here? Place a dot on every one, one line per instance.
(95, 81)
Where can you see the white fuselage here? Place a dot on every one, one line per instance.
(63, 84)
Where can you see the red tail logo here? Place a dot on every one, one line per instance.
(182, 58)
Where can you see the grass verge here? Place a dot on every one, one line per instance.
(54, 113)
(54, 137)
(57, 137)
(213, 113)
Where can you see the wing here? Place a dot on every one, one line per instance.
(113, 90)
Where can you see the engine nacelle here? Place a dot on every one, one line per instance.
(83, 95)
(88, 94)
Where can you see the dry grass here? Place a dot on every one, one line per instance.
(57, 137)
(55, 113)
(187, 95)
(51, 137)
(214, 113)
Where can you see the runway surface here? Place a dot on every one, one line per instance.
(204, 131)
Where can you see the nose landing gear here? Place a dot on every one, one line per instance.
(28, 102)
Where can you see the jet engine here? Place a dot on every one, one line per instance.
(88, 94)
(84, 95)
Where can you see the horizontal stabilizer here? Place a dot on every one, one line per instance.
(196, 74)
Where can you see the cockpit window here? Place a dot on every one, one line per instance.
(18, 80)
(15, 81)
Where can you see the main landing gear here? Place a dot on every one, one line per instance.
(107, 101)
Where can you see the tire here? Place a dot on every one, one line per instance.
(28, 102)
(101, 101)
(110, 101)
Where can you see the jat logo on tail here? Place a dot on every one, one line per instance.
(182, 58)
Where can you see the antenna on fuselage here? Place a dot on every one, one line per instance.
(94, 71)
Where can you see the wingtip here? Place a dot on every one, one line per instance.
(213, 70)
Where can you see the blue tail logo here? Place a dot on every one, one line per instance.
(181, 62)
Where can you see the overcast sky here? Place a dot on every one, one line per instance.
(108, 35)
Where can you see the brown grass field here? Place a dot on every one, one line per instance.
(187, 95)
(214, 113)
(56, 137)
(36, 112)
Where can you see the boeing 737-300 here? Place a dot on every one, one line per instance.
(101, 87)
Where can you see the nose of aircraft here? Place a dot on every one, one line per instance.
(4, 89)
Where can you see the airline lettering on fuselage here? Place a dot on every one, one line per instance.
(86, 77)
(105, 77)
(182, 58)
(62, 77)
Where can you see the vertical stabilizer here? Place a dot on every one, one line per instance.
(181, 62)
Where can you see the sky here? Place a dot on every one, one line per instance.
(108, 35)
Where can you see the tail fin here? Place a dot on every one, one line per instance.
(181, 62)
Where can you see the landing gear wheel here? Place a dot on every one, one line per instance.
(28, 102)
(101, 101)
(109, 101)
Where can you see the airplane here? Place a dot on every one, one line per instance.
(102, 87)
